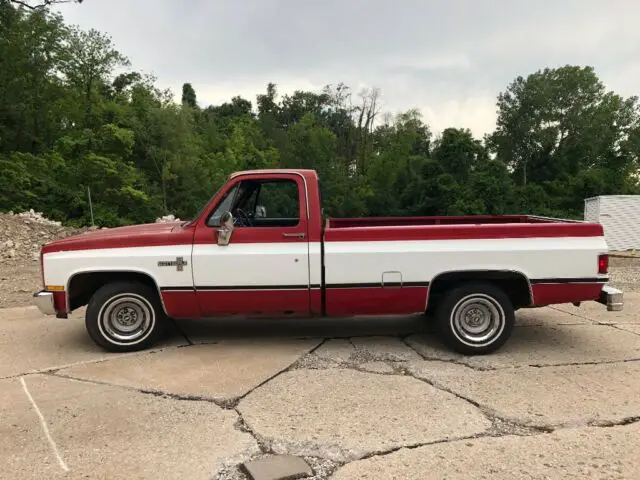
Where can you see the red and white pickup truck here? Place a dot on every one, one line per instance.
(260, 247)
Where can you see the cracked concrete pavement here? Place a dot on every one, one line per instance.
(367, 398)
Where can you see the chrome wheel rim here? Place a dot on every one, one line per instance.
(126, 319)
(477, 320)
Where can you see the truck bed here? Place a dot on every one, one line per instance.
(455, 228)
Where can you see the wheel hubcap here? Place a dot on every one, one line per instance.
(127, 319)
(477, 320)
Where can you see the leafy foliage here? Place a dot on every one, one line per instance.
(74, 117)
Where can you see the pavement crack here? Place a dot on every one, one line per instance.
(313, 350)
(156, 393)
(242, 425)
(288, 368)
(574, 314)
(617, 327)
(573, 364)
(114, 356)
(619, 423)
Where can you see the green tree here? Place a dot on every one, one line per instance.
(560, 121)
(189, 96)
(459, 153)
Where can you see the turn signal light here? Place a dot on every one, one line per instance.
(603, 263)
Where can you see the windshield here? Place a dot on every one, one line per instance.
(205, 205)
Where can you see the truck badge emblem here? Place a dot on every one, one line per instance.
(179, 263)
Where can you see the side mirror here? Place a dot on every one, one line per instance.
(226, 229)
(261, 211)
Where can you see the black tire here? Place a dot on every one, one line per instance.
(486, 327)
(125, 317)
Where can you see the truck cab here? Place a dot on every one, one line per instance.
(266, 260)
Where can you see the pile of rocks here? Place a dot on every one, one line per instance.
(167, 219)
(37, 217)
(23, 234)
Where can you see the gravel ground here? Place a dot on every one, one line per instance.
(625, 273)
(18, 280)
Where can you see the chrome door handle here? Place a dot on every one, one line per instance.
(294, 235)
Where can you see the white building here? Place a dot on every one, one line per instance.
(620, 217)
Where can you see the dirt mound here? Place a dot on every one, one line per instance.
(23, 234)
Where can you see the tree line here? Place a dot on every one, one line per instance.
(70, 122)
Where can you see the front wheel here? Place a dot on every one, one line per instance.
(124, 317)
(475, 318)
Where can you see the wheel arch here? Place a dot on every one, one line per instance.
(83, 284)
(515, 284)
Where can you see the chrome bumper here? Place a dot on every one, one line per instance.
(612, 298)
(44, 301)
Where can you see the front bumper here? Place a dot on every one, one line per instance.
(44, 301)
(612, 298)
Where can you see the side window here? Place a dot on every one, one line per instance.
(278, 203)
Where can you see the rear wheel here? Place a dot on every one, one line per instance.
(475, 318)
(125, 317)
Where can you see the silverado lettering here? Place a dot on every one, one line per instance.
(260, 247)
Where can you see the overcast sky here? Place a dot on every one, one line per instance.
(449, 58)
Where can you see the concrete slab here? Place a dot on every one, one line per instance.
(580, 453)
(51, 342)
(574, 395)
(548, 316)
(24, 450)
(385, 349)
(542, 346)
(214, 330)
(294, 414)
(221, 371)
(598, 313)
(277, 467)
(103, 431)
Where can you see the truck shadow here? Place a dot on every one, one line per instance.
(212, 330)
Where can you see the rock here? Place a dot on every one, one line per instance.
(167, 219)
(277, 467)
(23, 234)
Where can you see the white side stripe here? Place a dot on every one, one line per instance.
(63, 465)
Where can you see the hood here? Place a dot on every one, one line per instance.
(145, 235)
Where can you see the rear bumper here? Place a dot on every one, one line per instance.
(44, 301)
(612, 298)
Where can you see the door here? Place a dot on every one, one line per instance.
(264, 269)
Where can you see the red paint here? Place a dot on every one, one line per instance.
(553, 293)
(146, 235)
(463, 232)
(375, 301)
(60, 302)
(254, 302)
(181, 304)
